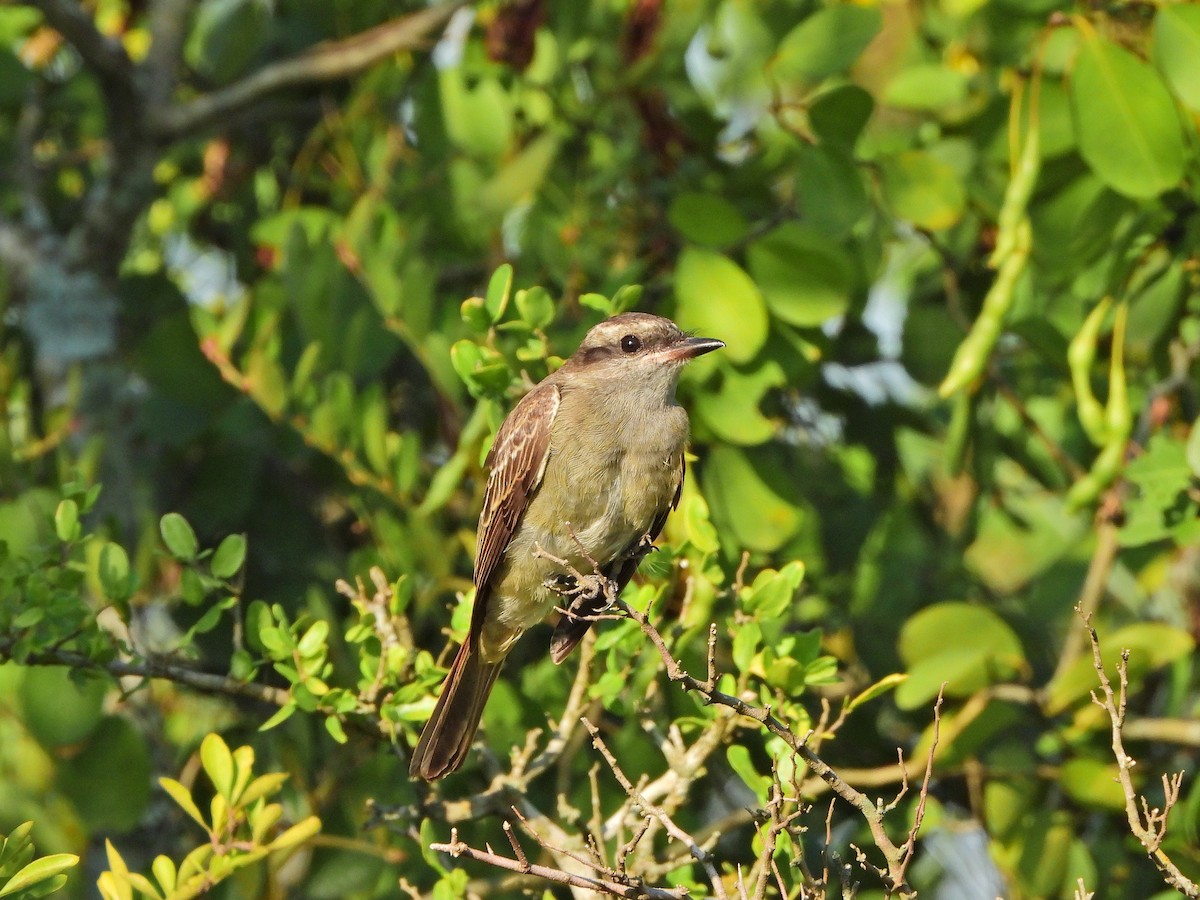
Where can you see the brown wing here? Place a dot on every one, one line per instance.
(516, 462)
(570, 630)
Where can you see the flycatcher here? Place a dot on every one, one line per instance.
(590, 459)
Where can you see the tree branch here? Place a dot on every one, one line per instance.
(701, 855)
(159, 71)
(457, 848)
(1147, 824)
(327, 61)
(871, 812)
(154, 668)
(103, 55)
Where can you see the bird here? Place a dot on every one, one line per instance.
(581, 476)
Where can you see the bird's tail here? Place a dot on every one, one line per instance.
(447, 736)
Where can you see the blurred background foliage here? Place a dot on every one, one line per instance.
(951, 246)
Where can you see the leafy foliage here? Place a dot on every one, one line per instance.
(952, 251)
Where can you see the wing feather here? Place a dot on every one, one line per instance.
(516, 463)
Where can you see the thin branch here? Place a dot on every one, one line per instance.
(1147, 824)
(910, 845)
(457, 848)
(327, 61)
(155, 668)
(701, 855)
(871, 813)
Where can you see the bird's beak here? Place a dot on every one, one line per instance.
(691, 347)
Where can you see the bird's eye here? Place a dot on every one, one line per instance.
(631, 343)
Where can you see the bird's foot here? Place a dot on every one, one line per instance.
(586, 595)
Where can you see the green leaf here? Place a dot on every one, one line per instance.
(1163, 506)
(66, 521)
(334, 726)
(177, 534)
(475, 315)
(1193, 449)
(839, 115)
(707, 219)
(739, 760)
(478, 119)
(966, 645)
(731, 411)
(519, 177)
(230, 555)
(828, 41)
(285, 713)
(759, 517)
(805, 277)
(38, 871)
(113, 570)
(923, 190)
(535, 307)
(183, 797)
(498, 291)
(60, 710)
(1176, 50)
(163, 868)
(717, 299)
(1092, 782)
(1125, 119)
(626, 298)
(226, 36)
(878, 689)
(297, 834)
(929, 87)
(598, 302)
(746, 644)
(218, 763)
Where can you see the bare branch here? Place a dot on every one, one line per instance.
(457, 848)
(701, 855)
(893, 877)
(159, 71)
(910, 845)
(327, 61)
(1147, 824)
(153, 667)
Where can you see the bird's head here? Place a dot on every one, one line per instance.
(635, 344)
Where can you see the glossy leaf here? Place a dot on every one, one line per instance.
(1126, 121)
(922, 190)
(716, 298)
(177, 534)
(828, 41)
(805, 278)
(1176, 49)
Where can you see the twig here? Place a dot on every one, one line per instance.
(1147, 824)
(327, 61)
(893, 877)
(155, 668)
(701, 855)
(457, 848)
(910, 844)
